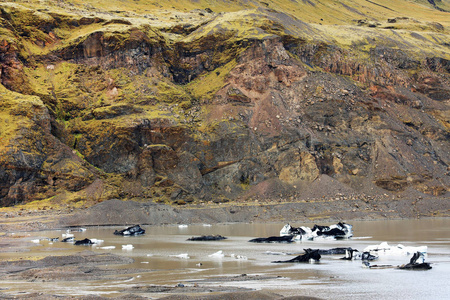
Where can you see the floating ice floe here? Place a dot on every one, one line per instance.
(67, 235)
(311, 255)
(128, 280)
(207, 238)
(182, 226)
(36, 241)
(68, 240)
(240, 257)
(275, 253)
(127, 247)
(385, 249)
(85, 242)
(218, 254)
(182, 256)
(417, 262)
(207, 225)
(107, 247)
(96, 241)
(354, 254)
(81, 229)
(274, 239)
(340, 230)
(133, 230)
(51, 240)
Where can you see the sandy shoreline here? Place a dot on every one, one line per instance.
(117, 212)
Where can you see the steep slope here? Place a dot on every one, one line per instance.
(216, 100)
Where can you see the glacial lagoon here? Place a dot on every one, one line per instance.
(166, 258)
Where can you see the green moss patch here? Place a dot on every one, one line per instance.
(207, 85)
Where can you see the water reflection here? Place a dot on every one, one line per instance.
(157, 254)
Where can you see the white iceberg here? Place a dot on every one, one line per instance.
(182, 256)
(240, 257)
(385, 249)
(108, 247)
(218, 254)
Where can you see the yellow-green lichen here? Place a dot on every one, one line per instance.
(207, 85)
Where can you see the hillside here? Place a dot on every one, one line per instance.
(183, 102)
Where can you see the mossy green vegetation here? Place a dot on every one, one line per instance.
(170, 93)
(14, 108)
(207, 85)
(361, 39)
(48, 28)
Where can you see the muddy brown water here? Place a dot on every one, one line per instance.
(161, 254)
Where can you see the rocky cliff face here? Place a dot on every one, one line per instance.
(183, 107)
